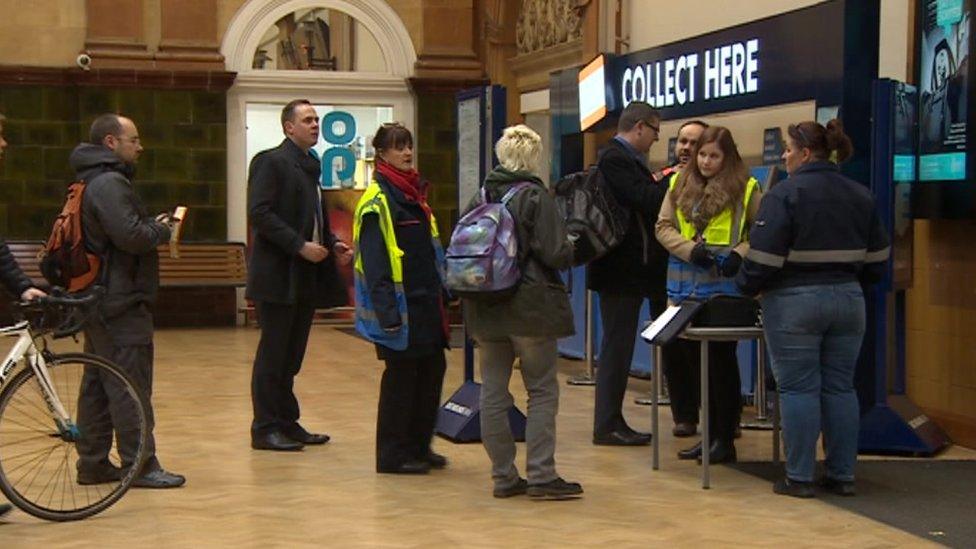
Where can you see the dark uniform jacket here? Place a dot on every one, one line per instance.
(12, 277)
(283, 197)
(638, 266)
(816, 227)
(421, 278)
(117, 226)
(540, 306)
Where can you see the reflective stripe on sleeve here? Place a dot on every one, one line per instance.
(765, 258)
(878, 256)
(826, 256)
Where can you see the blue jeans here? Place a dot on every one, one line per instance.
(814, 335)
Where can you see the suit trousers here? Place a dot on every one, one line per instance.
(410, 395)
(284, 336)
(103, 405)
(619, 314)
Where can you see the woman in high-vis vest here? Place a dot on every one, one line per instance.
(704, 224)
(400, 303)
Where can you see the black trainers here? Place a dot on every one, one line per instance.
(555, 489)
(102, 475)
(516, 489)
(159, 479)
(794, 488)
(839, 487)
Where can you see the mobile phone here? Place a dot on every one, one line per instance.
(179, 213)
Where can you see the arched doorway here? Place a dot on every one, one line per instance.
(382, 92)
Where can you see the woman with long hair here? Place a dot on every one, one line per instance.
(400, 303)
(704, 225)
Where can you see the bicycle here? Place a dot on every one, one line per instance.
(40, 424)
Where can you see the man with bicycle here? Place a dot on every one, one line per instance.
(13, 278)
(118, 228)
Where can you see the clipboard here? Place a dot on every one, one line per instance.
(669, 324)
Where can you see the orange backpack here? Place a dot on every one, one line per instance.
(64, 260)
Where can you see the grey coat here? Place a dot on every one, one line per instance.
(540, 306)
(120, 230)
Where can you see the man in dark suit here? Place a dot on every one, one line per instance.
(292, 271)
(633, 271)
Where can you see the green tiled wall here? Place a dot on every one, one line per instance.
(184, 134)
(437, 162)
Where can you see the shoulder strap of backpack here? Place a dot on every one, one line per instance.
(514, 190)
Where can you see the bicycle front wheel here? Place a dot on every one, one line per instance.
(70, 474)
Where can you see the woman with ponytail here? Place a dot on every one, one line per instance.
(400, 303)
(816, 239)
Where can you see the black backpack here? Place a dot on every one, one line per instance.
(591, 212)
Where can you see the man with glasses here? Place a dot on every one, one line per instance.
(630, 273)
(118, 227)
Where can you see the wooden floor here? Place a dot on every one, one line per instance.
(330, 496)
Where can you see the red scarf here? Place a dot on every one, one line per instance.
(408, 182)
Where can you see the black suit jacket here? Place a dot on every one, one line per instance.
(638, 266)
(283, 188)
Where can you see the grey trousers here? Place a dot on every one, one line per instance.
(538, 367)
(104, 407)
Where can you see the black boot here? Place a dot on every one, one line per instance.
(691, 453)
(720, 452)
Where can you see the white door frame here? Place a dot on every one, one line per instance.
(320, 87)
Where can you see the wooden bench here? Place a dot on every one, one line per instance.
(198, 288)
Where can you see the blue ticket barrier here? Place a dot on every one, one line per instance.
(574, 346)
(643, 362)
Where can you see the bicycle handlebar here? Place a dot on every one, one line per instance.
(79, 307)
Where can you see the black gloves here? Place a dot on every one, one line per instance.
(701, 257)
(730, 267)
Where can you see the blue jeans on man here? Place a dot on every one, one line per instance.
(814, 336)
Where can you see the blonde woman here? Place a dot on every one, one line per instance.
(525, 326)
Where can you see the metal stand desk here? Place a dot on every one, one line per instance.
(704, 335)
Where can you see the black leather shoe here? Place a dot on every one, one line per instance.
(622, 438)
(435, 460)
(415, 467)
(520, 487)
(555, 490)
(720, 452)
(305, 437)
(787, 487)
(838, 487)
(159, 479)
(684, 429)
(298, 433)
(691, 453)
(276, 441)
(5, 508)
(102, 475)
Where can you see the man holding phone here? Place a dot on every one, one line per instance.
(118, 227)
(292, 271)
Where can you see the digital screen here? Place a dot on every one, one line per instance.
(943, 89)
(904, 120)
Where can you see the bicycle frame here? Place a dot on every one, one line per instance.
(26, 348)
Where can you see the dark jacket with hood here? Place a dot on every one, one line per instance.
(639, 265)
(12, 277)
(540, 306)
(282, 199)
(120, 230)
(421, 279)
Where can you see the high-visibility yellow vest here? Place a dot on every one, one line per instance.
(374, 201)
